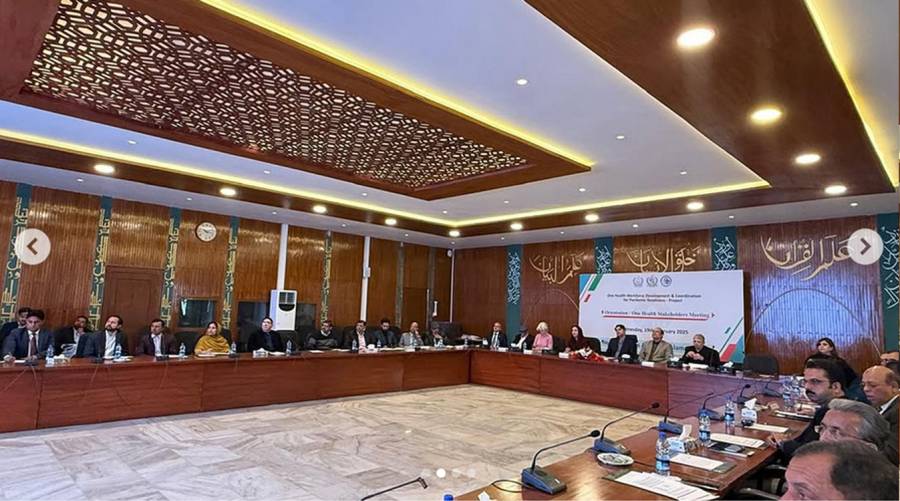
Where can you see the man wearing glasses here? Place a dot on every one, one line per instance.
(851, 420)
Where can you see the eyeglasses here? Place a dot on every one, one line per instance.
(824, 429)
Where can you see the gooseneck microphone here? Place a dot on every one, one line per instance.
(715, 416)
(604, 444)
(420, 481)
(677, 428)
(542, 480)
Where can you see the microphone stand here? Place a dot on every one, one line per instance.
(715, 416)
(542, 480)
(677, 428)
(604, 444)
(420, 481)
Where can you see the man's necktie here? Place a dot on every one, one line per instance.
(32, 344)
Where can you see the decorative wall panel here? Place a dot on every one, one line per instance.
(138, 234)
(168, 291)
(256, 265)
(15, 202)
(346, 278)
(479, 288)
(382, 298)
(890, 278)
(724, 249)
(228, 284)
(550, 283)
(305, 265)
(671, 252)
(101, 253)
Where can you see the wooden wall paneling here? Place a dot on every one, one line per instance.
(200, 266)
(441, 292)
(61, 285)
(681, 251)
(256, 264)
(550, 283)
(415, 285)
(306, 265)
(382, 298)
(7, 207)
(795, 301)
(346, 278)
(137, 235)
(479, 290)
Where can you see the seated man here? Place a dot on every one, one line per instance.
(156, 342)
(851, 420)
(436, 337)
(265, 338)
(882, 389)
(7, 328)
(699, 353)
(325, 339)
(845, 469)
(388, 337)
(890, 356)
(105, 342)
(523, 340)
(73, 341)
(411, 338)
(622, 344)
(656, 350)
(497, 338)
(363, 339)
(823, 381)
(29, 342)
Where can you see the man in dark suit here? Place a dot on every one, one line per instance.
(157, 341)
(388, 335)
(265, 338)
(882, 389)
(18, 323)
(700, 354)
(497, 338)
(523, 340)
(622, 344)
(29, 342)
(74, 340)
(362, 338)
(105, 341)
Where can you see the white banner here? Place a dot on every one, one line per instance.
(682, 304)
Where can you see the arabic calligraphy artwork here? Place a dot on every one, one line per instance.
(13, 271)
(165, 309)
(513, 274)
(603, 255)
(724, 248)
(806, 257)
(665, 260)
(228, 293)
(101, 252)
(557, 269)
(889, 265)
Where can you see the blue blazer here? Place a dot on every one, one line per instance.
(629, 346)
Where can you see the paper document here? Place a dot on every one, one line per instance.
(770, 428)
(697, 461)
(664, 486)
(753, 443)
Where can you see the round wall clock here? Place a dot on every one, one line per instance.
(206, 231)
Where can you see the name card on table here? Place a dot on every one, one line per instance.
(648, 364)
(502, 350)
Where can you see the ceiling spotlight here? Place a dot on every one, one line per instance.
(516, 226)
(364, 194)
(274, 212)
(766, 115)
(522, 81)
(562, 233)
(267, 172)
(443, 212)
(79, 180)
(695, 38)
(343, 225)
(683, 173)
(228, 192)
(105, 169)
(502, 238)
(807, 158)
(591, 218)
(452, 243)
(582, 189)
(406, 234)
(319, 209)
(189, 199)
(454, 233)
(731, 216)
(132, 142)
(836, 189)
(635, 225)
(854, 204)
(506, 201)
(620, 137)
(694, 206)
(390, 221)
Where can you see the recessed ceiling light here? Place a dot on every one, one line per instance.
(620, 137)
(343, 225)
(228, 192)
(189, 199)
(406, 234)
(79, 180)
(731, 217)
(516, 226)
(132, 142)
(582, 189)
(807, 158)
(765, 115)
(364, 194)
(274, 212)
(854, 204)
(695, 38)
(506, 201)
(267, 172)
(320, 209)
(390, 221)
(454, 233)
(522, 81)
(452, 243)
(591, 218)
(683, 173)
(836, 189)
(562, 233)
(443, 212)
(695, 205)
(104, 168)
(502, 238)
(635, 225)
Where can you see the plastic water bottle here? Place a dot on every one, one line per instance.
(484, 343)
(662, 455)
(377, 345)
(787, 394)
(182, 351)
(730, 409)
(704, 428)
(448, 497)
(466, 342)
(354, 346)
(50, 361)
(118, 351)
(289, 348)
(232, 348)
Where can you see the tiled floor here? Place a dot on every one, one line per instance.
(333, 449)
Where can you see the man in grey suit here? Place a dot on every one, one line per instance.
(883, 392)
(29, 342)
(656, 350)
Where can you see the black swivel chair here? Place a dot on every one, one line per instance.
(594, 343)
(293, 337)
(763, 364)
(188, 339)
(559, 345)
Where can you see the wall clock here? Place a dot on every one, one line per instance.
(206, 231)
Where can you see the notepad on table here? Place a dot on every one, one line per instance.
(753, 443)
(770, 428)
(702, 463)
(663, 486)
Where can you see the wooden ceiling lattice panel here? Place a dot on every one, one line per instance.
(118, 61)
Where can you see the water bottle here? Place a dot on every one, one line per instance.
(50, 361)
(232, 348)
(704, 428)
(662, 455)
(289, 348)
(354, 346)
(448, 497)
(466, 343)
(118, 351)
(484, 343)
(730, 409)
(377, 345)
(182, 351)
(787, 394)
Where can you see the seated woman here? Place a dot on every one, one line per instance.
(699, 353)
(577, 341)
(543, 340)
(825, 348)
(211, 341)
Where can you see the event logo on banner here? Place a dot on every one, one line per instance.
(682, 304)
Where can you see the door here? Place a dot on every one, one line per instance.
(134, 294)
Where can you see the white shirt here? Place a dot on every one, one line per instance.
(887, 404)
(157, 342)
(110, 344)
(76, 336)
